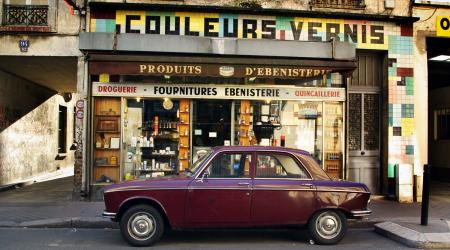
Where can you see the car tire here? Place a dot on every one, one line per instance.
(327, 227)
(141, 225)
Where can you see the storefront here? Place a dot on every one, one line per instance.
(171, 82)
(159, 125)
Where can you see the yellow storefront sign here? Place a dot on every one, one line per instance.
(443, 26)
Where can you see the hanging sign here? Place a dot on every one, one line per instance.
(201, 91)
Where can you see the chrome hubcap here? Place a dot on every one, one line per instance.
(328, 225)
(141, 226)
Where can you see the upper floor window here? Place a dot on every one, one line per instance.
(28, 15)
(353, 4)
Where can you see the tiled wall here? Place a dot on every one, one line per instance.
(396, 39)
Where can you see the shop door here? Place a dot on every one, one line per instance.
(364, 139)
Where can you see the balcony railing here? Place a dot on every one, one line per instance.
(339, 4)
(28, 15)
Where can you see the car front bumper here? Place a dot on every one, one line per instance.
(109, 215)
(361, 213)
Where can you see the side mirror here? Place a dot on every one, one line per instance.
(205, 176)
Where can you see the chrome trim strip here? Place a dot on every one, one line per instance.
(108, 215)
(340, 191)
(283, 189)
(222, 188)
(289, 179)
(144, 189)
(361, 213)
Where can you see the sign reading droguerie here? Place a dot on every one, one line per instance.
(174, 69)
(243, 92)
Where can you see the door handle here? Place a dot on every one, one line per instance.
(307, 185)
(244, 184)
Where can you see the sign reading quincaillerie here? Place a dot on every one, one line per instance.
(199, 91)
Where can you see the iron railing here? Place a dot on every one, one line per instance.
(28, 15)
(341, 4)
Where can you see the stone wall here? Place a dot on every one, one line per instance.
(29, 131)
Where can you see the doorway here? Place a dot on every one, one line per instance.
(365, 101)
(364, 138)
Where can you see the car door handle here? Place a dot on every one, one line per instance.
(307, 185)
(244, 184)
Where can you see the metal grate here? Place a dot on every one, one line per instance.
(346, 4)
(371, 121)
(354, 106)
(29, 15)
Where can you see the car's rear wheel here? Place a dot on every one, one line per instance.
(327, 227)
(141, 225)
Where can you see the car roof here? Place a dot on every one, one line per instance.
(260, 148)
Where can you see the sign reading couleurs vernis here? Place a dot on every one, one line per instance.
(443, 26)
(201, 91)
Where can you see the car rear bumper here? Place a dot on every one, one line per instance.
(361, 213)
(109, 215)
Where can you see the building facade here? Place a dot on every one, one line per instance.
(431, 53)
(167, 81)
(38, 76)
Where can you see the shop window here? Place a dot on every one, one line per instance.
(211, 120)
(230, 165)
(278, 166)
(62, 130)
(442, 124)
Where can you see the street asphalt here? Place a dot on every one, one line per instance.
(22, 238)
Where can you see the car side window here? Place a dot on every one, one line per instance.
(279, 166)
(230, 165)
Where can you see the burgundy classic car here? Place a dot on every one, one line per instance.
(239, 187)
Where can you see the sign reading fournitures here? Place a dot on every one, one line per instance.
(218, 91)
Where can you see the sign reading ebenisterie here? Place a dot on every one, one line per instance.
(236, 92)
(443, 26)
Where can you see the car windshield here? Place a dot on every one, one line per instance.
(195, 166)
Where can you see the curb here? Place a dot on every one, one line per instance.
(101, 223)
(412, 238)
(74, 222)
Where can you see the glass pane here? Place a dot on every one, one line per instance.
(354, 113)
(212, 123)
(333, 139)
(151, 138)
(278, 166)
(371, 121)
(230, 166)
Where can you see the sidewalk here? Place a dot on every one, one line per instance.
(49, 204)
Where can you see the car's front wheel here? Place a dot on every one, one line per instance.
(327, 227)
(142, 225)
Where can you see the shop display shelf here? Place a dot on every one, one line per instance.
(108, 131)
(99, 115)
(155, 170)
(103, 183)
(151, 156)
(108, 165)
(108, 149)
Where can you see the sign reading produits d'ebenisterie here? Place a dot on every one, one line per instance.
(201, 91)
